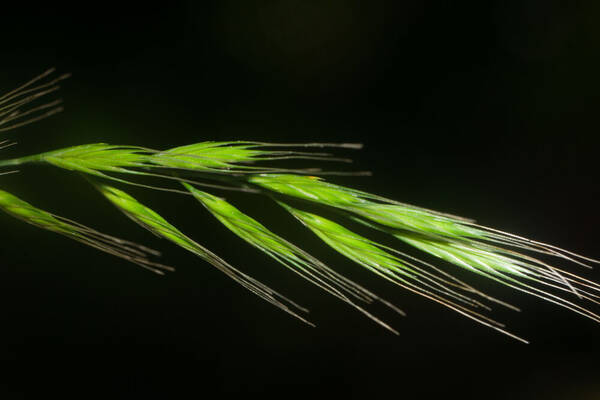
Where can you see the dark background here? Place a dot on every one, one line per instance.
(485, 109)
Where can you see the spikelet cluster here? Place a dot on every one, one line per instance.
(328, 210)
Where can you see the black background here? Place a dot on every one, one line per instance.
(486, 109)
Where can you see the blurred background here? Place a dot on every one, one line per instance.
(487, 110)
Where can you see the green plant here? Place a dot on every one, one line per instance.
(326, 209)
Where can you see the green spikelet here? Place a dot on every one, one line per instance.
(129, 251)
(156, 224)
(287, 254)
(433, 284)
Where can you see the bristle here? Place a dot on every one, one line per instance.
(12, 113)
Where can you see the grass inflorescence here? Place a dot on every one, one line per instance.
(507, 259)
